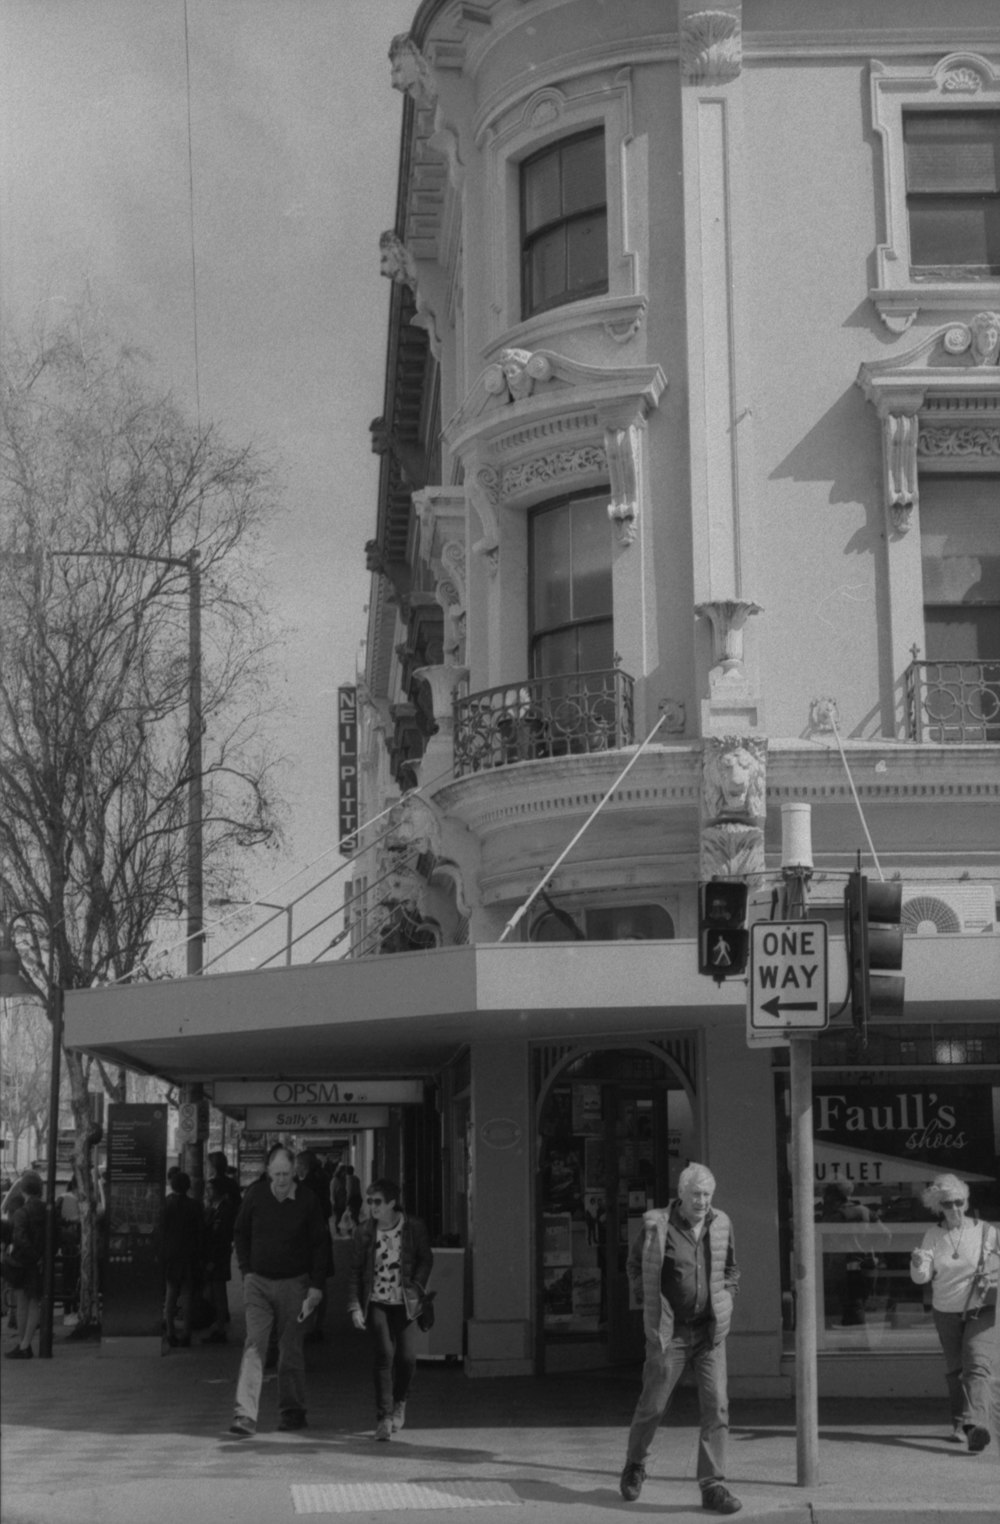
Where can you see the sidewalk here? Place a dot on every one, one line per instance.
(94, 1438)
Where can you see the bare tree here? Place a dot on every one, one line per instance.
(107, 492)
(25, 1049)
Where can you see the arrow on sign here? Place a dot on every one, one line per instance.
(774, 1006)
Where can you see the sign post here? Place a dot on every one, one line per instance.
(792, 972)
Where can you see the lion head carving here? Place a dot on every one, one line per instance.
(733, 778)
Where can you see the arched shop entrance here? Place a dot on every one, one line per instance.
(615, 1126)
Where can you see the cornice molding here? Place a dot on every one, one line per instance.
(668, 779)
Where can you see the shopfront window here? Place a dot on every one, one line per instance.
(880, 1135)
(615, 1129)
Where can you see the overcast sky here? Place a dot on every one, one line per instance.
(294, 150)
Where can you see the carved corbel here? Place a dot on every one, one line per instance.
(621, 446)
(484, 494)
(899, 448)
(727, 617)
(711, 44)
(397, 264)
(413, 75)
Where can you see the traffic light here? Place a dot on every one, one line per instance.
(723, 939)
(872, 914)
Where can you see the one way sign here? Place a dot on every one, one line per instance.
(788, 989)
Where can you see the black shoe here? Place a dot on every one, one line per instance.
(719, 1499)
(242, 1428)
(632, 1479)
(26, 1354)
(293, 1419)
(979, 1438)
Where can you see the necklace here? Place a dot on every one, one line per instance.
(956, 1243)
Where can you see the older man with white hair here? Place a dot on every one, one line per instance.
(683, 1269)
(283, 1251)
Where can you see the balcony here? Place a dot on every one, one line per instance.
(952, 702)
(544, 717)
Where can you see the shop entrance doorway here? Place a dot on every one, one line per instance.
(616, 1127)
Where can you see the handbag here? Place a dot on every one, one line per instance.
(983, 1287)
(11, 1268)
(425, 1317)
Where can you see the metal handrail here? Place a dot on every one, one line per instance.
(543, 717)
(952, 702)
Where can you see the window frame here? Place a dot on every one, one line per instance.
(947, 199)
(536, 634)
(563, 222)
(964, 82)
(518, 131)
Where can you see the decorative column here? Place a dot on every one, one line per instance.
(714, 182)
(439, 754)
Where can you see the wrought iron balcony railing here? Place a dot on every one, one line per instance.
(952, 701)
(543, 717)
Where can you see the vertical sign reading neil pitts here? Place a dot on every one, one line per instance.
(347, 760)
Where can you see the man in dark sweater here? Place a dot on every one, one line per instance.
(283, 1250)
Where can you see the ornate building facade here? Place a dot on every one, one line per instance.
(689, 508)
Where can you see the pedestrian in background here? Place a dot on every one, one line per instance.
(682, 1270)
(68, 1215)
(308, 1171)
(961, 1260)
(283, 1251)
(391, 1262)
(24, 1255)
(220, 1220)
(181, 1237)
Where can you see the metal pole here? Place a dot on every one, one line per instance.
(804, 1240)
(45, 1332)
(288, 939)
(193, 1153)
(196, 908)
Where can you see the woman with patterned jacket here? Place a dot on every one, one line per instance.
(391, 1262)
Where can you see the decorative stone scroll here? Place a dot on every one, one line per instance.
(398, 265)
(514, 376)
(711, 45)
(621, 446)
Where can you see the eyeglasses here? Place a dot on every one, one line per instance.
(959, 1202)
(374, 1201)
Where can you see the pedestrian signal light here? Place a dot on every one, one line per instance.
(872, 915)
(723, 939)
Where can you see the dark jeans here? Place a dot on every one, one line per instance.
(661, 1372)
(970, 1363)
(394, 1336)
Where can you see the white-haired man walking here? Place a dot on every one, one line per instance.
(682, 1267)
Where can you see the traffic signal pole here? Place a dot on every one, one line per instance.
(796, 859)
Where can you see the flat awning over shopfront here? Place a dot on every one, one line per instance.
(411, 1012)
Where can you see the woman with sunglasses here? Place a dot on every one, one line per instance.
(391, 1262)
(961, 1260)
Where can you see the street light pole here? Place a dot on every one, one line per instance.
(195, 861)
